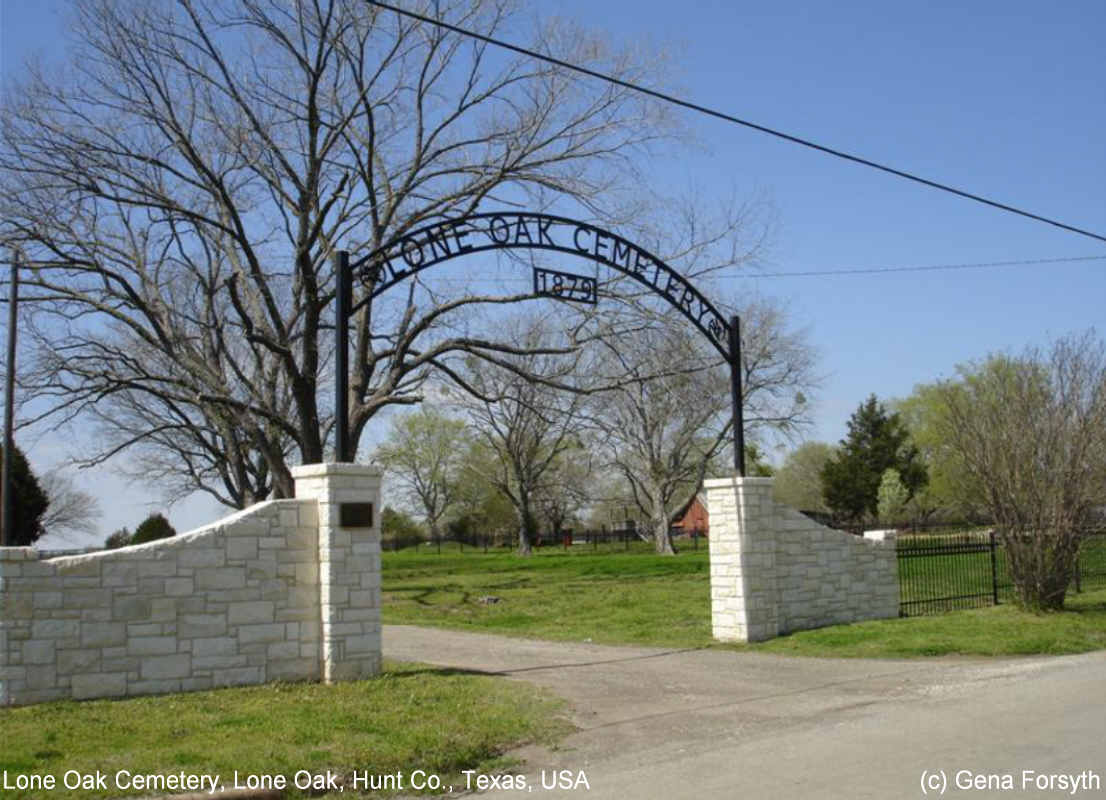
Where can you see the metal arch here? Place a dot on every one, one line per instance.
(410, 253)
(406, 255)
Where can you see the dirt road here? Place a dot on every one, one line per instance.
(657, 723)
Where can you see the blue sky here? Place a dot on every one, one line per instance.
(1004, 99)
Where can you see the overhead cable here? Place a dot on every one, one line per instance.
(736, 120)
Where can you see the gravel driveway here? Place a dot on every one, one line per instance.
(664, 723)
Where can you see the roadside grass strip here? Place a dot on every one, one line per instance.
(1002, 630)
(414, 717)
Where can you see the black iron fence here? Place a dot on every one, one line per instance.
(1091, 567)
(451, 543)
(940, 571)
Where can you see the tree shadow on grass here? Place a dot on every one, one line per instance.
(1095, 608)
(423, 669)
(518, 583)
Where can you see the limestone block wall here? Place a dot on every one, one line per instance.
(773, 570)
(237, 602)
(827, 577)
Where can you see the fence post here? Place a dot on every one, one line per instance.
(994, 569)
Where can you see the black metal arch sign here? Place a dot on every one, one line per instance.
(432, 244)
(410, 253)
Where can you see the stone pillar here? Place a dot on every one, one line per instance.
(349, 568)
(744, 602)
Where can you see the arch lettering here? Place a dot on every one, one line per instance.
(427, 246)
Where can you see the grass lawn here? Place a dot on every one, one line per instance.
(654, 600)
(614, 598)
(413, 717)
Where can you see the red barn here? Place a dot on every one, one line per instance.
(695, 518)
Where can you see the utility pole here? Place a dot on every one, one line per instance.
(9, 409)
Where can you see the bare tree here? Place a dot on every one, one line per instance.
(180, 189)
(1031, 431)
(425, 452)
(567, 489)
(664, 426)
(71, 510)
(528, 425)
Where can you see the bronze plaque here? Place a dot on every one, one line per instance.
(355, 515)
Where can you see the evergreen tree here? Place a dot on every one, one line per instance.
(30, 502)
(877, 441)
(155, 526)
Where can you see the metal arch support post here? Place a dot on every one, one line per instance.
(735, 389)
(342, 303)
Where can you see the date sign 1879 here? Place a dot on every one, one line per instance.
(565, 286)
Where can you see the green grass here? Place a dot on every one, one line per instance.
(996, 631)
(654, 600)
(413, 717)
(612, 598)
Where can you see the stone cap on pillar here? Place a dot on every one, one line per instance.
(336, 468)
(710, 483)
(315, 480)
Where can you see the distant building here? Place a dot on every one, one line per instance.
(696, 520)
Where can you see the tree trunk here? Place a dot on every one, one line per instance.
(658, 522)
(1042, 566)
(284, 485)
(525, 530)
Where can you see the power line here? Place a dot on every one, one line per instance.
(744, 273)
(927, 268)
(736, 120)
